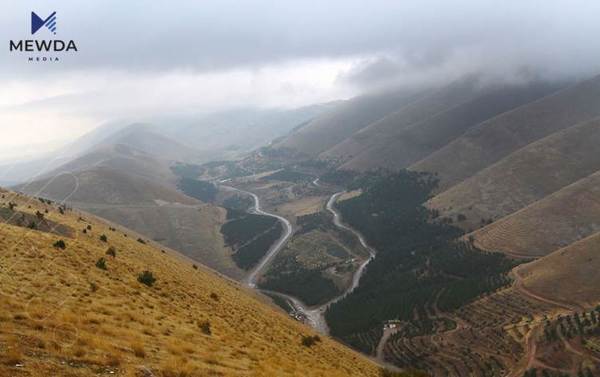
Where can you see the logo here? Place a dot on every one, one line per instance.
(37, 22)
(43, 50)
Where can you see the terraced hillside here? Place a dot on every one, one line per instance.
(556, 221)
(513, 331)
(523, 177)
(496, 138)
(485, 338)
(103, 300)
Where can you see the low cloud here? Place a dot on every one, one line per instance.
(140, 57)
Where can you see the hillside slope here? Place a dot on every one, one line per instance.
(496, 138)
(118, 157)
(139, 191)
(346, 118)
(382, 131)
(556, 221)
(192, 230)
(413, 133)
(523, 177)
(64, 312)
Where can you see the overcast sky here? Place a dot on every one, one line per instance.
(138, 58)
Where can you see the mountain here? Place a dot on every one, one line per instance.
(345, 119)
(141, 137)
(187, 137)
(523, 177)
(232, 133)
(117, 157)
(484, 247)
(138, 190)
(496, 138)
(81, 304)
(405, 137)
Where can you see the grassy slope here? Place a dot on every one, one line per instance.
(496, 138)
(194, 232)
(568, 275)
(395, 143)
(556, 221)
(525, 176)
(53, 322)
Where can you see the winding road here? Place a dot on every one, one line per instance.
(314, 316)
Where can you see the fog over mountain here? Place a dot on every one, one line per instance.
(211, 56)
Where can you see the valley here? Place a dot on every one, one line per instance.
(300, 303)
(384, 235)
(446, 292)
(292, 189)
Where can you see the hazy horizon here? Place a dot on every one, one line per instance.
(212, 56)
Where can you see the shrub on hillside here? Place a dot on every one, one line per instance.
(205, 327)
(103, 238)
(111, 251)
(309, 341)
(147, 278)
(101, 264)
(60, 244)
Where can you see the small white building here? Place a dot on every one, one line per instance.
(391, 324)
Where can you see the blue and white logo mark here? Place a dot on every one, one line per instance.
(37, 22)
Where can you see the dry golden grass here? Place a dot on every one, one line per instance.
(60, 315)
(197, 233)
